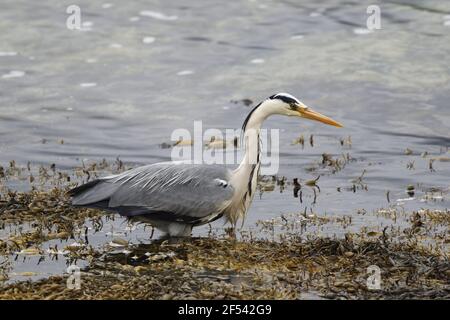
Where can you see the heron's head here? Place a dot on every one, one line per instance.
(286, 104)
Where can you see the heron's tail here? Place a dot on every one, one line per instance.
(92, 192)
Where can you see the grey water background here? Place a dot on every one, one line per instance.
(138, 70)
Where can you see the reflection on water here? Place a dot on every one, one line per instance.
(139, 70)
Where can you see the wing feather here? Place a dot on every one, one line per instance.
(180, 189)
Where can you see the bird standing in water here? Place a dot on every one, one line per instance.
(175, 197)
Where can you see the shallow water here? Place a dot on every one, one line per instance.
(120, 87)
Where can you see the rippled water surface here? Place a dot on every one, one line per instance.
(138, 70)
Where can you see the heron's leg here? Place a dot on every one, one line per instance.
(179, 229)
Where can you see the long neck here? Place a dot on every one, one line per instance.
(244, 178)
(252, 150)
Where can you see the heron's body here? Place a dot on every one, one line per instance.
(174, 197)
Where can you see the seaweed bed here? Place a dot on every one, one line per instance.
(413, 261)
(227, 269)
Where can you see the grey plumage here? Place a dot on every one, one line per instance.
(163, 191)
(174, 197)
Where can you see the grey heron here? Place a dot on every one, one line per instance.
(175, 197)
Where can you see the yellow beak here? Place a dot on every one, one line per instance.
(313, 115)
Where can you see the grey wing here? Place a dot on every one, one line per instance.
(164, 190)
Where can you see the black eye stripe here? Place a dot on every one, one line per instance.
(284, 98)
